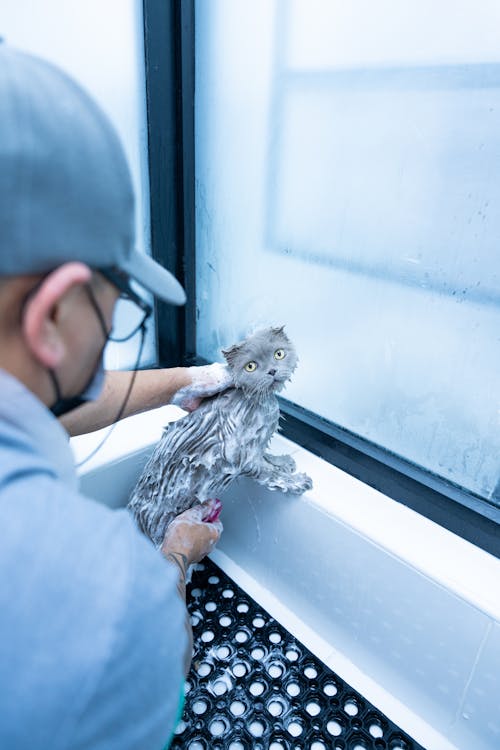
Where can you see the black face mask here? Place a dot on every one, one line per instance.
(91, 391)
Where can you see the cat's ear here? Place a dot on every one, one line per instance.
(279, 331)
(231, 353)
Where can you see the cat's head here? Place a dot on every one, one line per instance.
(262, 362)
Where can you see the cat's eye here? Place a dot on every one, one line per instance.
(251, 366)
(279, 354)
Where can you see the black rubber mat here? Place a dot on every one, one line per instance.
(253, 686)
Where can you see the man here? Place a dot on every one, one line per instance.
(92, 640)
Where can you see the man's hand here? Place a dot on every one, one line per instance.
(205, 381)
(190, 536)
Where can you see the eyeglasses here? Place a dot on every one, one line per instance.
(130, 312)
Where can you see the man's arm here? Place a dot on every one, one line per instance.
(151, 389)
(188, 540)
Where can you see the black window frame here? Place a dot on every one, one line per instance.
(169, 43)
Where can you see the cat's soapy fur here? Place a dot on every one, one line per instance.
(224, 438)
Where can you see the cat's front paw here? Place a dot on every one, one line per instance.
(284, 462)
(300, 483)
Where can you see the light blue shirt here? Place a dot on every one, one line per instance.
(91, 625)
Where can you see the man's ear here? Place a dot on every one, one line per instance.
(40, 319)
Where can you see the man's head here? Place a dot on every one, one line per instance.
(66, 211)
(65, 188)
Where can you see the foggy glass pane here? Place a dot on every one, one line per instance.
(111, 69)
(347, 178)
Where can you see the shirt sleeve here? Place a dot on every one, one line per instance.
(136, 701)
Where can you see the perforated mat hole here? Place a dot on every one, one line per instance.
(275, 670)
(330, 689)
(258, 653)
(218, 726)
(258, 622)
(196, 745)
(317, 746)
(275, 707)
(351, 707)
(204, 669)
(236, 746)
(277, 746)
(228, 593)
(360, 745)
(199, 707)
(225, 620)
(239, 669)
(375, 729)
(292, 655)
(207, 636)
(237, 708)
(219, 687)
(210, 606)
(181, 726)
(398, 743)
(242, 607)
(275, 637)
(257, 688)
(295, 728)
(214, 580)
(313, 708)
(256, 728)
(293, 689)
(187, 687)
(223, 652)
(310, 672)
(241, 636)
(334, 728)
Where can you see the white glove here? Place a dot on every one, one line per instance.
(206, 380)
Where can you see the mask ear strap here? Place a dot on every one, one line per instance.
(125, 401)
(55, 383)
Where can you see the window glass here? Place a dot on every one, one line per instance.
(347, 178)
(100, 44)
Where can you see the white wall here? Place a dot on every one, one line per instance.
(101, 45)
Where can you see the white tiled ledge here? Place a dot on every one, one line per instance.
(456, 564)
(447, 559)
(403, 610)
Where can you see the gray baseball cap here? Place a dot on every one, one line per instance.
(65, 187)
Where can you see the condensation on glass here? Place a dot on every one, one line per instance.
(101, 45)
(347, 178)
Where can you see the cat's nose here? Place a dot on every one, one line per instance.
(271, 372)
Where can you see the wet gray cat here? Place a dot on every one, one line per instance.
(224, 438)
